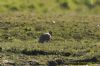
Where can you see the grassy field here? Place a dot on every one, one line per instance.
(75, 40)
(49, 6)
(76, 32)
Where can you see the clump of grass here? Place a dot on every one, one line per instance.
(64, 5)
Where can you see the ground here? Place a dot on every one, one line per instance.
(75, 40)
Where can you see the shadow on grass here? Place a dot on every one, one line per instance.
(40, 52)
(72, 62)
(65, 61)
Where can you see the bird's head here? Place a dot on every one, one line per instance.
(50, 32)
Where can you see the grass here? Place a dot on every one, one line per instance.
(46, 6)
(75, 39)
(76, 33)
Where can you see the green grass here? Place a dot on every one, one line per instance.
(46, 6)
(75, 39)
(76, 32)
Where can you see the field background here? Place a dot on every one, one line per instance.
(55, 6)
(76, 32)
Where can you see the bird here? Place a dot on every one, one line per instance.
(45, 37)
